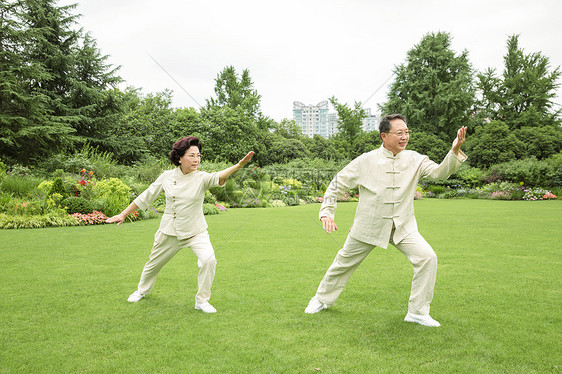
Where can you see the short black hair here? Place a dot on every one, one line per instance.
(182, 145)
(385, 125)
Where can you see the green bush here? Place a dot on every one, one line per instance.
(58, 187)
(112, 194)
(470, 176)
(75, 204)
(532, 172)
(209, 209)
(435, 189)
(44, 187)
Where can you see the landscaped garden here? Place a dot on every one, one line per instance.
(64, 307)
(88, 187)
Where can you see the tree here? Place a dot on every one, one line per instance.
(523, 95)
(492, 144)
(540, 142)
(322, 148)
(434, 89)
(281, 150)
(28, 127)
(234, 92)
(429, 144)
(350, 120)
(92, 95)
(145, 127)
(228, 134)
(57, 90)
(288, 129)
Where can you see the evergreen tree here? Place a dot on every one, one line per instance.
(434, 89)
(523, 95)
(56, 90)
(27, 126)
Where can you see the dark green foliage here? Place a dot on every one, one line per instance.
(56, 90)
(493, 143)
(229, 134)
(540, 142)
(281, 150)
(75, 204)
(470, 176)
(523, 95)
(531, 172)
(235, 92)
(434, 89)
(429, 144)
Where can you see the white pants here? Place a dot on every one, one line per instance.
(165, 247)
(414, 247)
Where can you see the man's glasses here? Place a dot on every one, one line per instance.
(400, 133)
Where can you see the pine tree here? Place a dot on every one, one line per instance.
(27, 126)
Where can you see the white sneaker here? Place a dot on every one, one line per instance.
(422, 320)
(205, 307)
(314, 306)
(135, 296)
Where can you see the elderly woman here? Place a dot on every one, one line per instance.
(183, 224)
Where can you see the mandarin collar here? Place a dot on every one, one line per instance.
(388, 153)
(180, 173)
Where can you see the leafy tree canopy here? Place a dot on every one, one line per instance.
(434, 89)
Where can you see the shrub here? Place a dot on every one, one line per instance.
(531, 172)
(435, 190)
(470, 176)
(75, 204)
(209, 198)
(148, 170)
(209, 209)
(57, 187)
(112, 194)
(20, 171)
(44, 187)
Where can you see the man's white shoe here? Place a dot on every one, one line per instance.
(314, 306)
(422, 320)
(205, 307)
(135, 296)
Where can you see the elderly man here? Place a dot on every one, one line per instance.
(387, 178)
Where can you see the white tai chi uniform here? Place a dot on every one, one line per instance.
(183, 225)
(385, 214)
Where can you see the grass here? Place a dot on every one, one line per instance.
(63, 306)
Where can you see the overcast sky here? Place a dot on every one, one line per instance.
(304, 50)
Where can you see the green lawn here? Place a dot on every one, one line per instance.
(498, 295)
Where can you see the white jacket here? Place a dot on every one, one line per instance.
(185, 193)
(386, 191)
